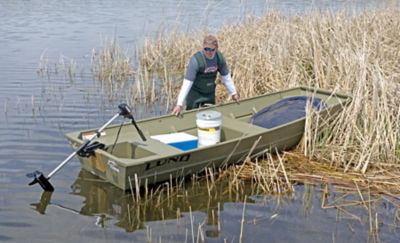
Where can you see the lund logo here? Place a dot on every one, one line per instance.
(161, 162)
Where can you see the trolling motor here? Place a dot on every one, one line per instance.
(86, 149)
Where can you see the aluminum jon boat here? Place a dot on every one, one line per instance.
(173, 148)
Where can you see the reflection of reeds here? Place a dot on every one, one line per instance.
(242, 220)
(6, 105)
(43, 65)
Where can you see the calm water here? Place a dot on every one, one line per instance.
(36, 111)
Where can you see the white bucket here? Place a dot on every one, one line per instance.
(208, 127)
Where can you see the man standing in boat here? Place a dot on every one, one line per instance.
(198, 86)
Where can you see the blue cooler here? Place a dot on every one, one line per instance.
(180, 140)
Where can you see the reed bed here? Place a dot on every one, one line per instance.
(291, 168)
(111, 64)
(113, 68)
(64, 66)
(355, 54)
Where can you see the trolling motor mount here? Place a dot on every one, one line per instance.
(125, 111)
(88, 150)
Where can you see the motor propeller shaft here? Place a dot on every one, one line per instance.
(42, 180)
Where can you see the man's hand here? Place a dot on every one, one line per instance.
(236, 98)
(177, 110)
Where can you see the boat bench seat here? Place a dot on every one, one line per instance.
(241, 126)
(158, 147)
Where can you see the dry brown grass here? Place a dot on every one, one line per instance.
(356, 54)
(111, 64)
(277, 174)
(275, 52)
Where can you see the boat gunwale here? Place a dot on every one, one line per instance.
(343, 96)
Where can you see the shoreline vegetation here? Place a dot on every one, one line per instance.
(357, 54)
(353, 53)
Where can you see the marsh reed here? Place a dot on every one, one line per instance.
(111, 64)
(353, 53)
(65, 66)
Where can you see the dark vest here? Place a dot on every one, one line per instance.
(203, 89)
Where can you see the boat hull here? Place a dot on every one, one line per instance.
(133, 162)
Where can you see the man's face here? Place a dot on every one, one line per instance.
(209, 50)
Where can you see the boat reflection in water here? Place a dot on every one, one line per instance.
(217, 212)
(161, 203)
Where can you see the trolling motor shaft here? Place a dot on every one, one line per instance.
(44, 182)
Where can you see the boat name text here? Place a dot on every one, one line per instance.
(162, 162)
